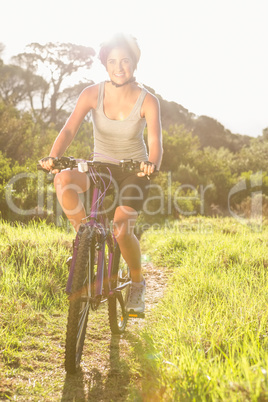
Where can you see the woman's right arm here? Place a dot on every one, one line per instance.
(86, 101)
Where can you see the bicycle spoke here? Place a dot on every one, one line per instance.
(81, 324)
(116, 304)
(79, 308)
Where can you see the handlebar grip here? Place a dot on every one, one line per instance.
(39, 167)
(59, 163)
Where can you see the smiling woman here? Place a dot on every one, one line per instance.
(124, 42)
(120, 67)
(120, 110)
(120, 56)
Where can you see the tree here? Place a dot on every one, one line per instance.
(180, 147)
(2, 47)
(55, 62)
(18, 86)
(16, 133)
(253, 157)
(265, 133)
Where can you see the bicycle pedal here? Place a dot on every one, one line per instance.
(135, 315)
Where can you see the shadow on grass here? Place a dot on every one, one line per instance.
(111, 386)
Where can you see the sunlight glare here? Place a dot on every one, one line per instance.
(208, 56)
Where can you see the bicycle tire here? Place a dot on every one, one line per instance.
(79, 301)
(116, 303)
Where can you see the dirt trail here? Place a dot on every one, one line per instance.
(111, 369)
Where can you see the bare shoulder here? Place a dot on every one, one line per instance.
(92, 89)
(150, 104)
(90, 95)
(152, 99)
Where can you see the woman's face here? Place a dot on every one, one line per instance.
(119, 65)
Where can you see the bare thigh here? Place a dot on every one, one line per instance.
(72, 180)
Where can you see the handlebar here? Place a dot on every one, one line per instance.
(65, 162)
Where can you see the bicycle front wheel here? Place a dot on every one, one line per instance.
(116, 303)
(80, 301)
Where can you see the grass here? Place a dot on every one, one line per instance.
(207, 339)
(33, 317)
(32, 260)
(32, 278)
(209, 336)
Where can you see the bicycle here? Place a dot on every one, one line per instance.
(97, 273)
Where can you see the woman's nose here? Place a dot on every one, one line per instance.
(119, 66)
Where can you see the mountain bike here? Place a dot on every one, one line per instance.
(97, 273)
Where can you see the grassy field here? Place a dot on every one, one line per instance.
(32, 300)
(206, 340)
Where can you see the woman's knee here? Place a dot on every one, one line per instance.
(124, 223)
(62, 179)
(68, 180)
(123, 230)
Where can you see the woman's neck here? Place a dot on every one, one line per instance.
(132, 79)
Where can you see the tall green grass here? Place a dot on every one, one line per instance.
(33, 275)
(33, 263)
(208, 338)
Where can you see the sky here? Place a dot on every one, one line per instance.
(210, 56)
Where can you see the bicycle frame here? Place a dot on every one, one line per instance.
(98, 220)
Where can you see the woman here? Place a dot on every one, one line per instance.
(120, 110)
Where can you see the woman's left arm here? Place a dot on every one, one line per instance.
(151, 112)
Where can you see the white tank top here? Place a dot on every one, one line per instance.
(115, 140)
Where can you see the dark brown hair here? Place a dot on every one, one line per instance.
(127, 42)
